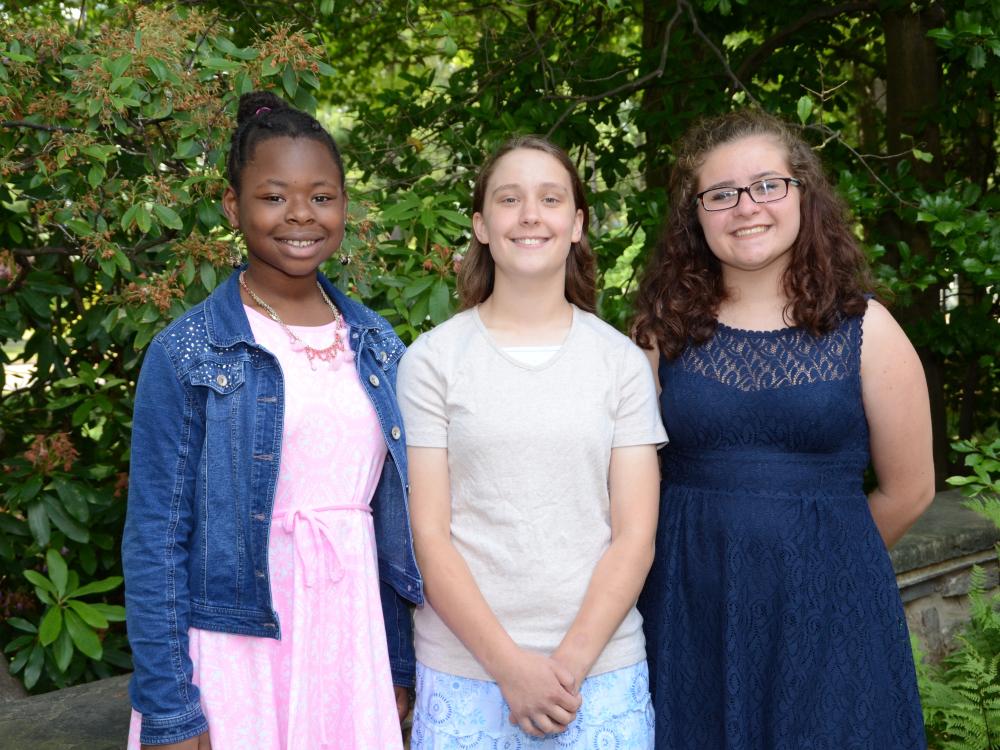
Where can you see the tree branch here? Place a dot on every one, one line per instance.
(749, 66)
(10, 124)
(631, 85)
(33, 251)
(736, 79)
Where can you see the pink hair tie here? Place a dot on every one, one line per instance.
(261, 110)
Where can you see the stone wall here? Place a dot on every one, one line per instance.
(933, 562)
(94, 716)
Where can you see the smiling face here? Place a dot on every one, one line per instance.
(529, 218)
(750, 236)
(291, 206)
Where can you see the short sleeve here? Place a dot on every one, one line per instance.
(421, 389)
(638, 420)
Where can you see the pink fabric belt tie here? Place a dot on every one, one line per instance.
(309, 527)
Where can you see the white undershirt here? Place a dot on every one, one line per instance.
(532, 356)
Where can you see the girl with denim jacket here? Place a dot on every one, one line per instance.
(267, 550)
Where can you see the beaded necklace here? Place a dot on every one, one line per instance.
(329, 354)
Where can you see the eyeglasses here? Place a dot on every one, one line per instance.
(763, 191)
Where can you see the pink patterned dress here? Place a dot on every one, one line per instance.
(326, 683)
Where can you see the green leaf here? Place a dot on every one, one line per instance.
(168, 217)
(87, 559)
(79, 227)
(67, 525)
(19, 643)
(118, 66)
(156, 67)
(923, 155)
(207, 271)
(34, 669)
(186, 149)
(143, 219)
(38, 522)
(804, 108)
(69, 492)
(976, 57)
(220, 63)
(39, 580)
(88, 614)
(111, 612)
(21, 624)
(84, 638)
(18, 662)
(58, 573)
(973, 265)
(29, 489)
(188, 271)
(268, 67)
(96, 175)
(62, 651)
(51, 625)
(121, 84)
(129, 217)
(96, 587)
(417, 286)
(440, 302)
(289, 82)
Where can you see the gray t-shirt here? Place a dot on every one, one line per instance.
(528, 456)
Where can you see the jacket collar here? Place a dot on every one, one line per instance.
(227, 322)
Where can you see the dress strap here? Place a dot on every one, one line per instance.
(311, 532)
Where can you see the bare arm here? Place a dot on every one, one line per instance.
(897, 407)
(534, 686)
(634, 482)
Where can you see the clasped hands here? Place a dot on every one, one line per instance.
(543, 692)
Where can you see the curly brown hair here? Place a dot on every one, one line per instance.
(681, 289)
(476, 274)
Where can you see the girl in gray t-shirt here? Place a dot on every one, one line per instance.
(532, 429)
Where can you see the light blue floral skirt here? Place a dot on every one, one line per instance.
(457, 713)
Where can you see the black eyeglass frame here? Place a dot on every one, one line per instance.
(700, 197)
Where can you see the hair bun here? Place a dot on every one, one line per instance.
(252, 102)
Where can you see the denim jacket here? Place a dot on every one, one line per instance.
(206, 446)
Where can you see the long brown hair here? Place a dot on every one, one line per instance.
(679, 296)
(476, 274)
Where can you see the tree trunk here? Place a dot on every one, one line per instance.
(913, 75)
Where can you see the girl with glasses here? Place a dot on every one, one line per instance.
(771, 612)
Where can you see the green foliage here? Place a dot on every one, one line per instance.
(69, 629)
(961, 696)
(112, 146)
(982, 487)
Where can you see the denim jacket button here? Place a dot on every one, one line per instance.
(259, 573)
(373, 379)
(383, 357)
(222, 380)
(395, 432)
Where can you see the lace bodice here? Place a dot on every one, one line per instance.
(781, 391)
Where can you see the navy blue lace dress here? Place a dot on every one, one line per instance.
(772, 617)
